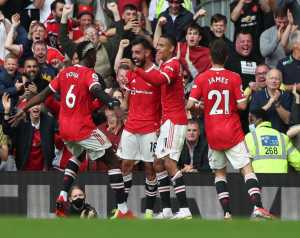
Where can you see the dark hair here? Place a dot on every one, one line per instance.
(193, 121)
(259, 113)
(30, 59)
(76, 186)
(170, 38)
(144, 42)
(218, 51)
(195, 26)
(218, 17)
(280, 12)
(130, 7)
(53, 4)
(81, 49)
(243, 32)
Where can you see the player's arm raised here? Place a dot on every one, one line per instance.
(37, 99)
(109, 101)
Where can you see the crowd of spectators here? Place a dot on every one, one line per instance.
(38, 38)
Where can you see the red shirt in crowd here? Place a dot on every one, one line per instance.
(123, 3)
(172, 92)
(144, 113)
(220, 90)
(76, 102)
(35, 159)
(199, 56)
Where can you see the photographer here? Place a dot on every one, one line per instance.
(78, 206)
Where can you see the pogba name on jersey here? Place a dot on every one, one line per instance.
(218, 80)
(72, 75)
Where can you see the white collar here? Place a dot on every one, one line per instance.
(216, 69)
(36, 126)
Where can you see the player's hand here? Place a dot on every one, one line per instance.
(112, 6)
(124, 43)
(128, 62)
(67, 10)
(162, 21)
(15, 19)
(14, 121)
(6, 102)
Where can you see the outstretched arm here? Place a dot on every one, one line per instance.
(111, 102)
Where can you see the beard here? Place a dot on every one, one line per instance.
(139, 63)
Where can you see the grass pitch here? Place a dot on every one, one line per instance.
(52, 228)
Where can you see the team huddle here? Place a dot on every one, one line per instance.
(155, 127)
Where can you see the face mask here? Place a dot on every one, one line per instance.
(78, 203)
(251, 127)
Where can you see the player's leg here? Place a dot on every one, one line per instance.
(217, 162)
(150, 189)
(147, 146)
(164, 187)
(239, 158)
(70, 175)
(127, 151)
(173, 146)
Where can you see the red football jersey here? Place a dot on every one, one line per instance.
(76, 102)
(220, 90)
(172, 93)
(144, 113)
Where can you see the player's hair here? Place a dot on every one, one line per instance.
(144, 42)
(130, 7)
(194, 26)
(83, 49)
(259, 113)
(280, 12)
(10, 56)
(170, 38)
(218, 17)
(53, 5)
(218, 51)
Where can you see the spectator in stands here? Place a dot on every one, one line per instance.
(48, 72)
(289, 66)
(10, 79)
(274, 41)
(78, 206)
(275, 102)
(194, 58)
(37, 32)
(85, 19)
(247, 15)
(33, 138)
(217, 29)
(4, 29)
(3, 149)
(260, 80)
(106, 52)
(175, 20)
(294, 130)
(243, 60)
(53, 22)
(270, 150)
(193, 157)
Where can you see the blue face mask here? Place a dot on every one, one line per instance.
(251, 127)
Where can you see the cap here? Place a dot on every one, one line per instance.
(83, 9)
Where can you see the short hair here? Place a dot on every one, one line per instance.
(30, 59)
(144, 42)
(280, 12)
(193, 121)
(39, 43)
(260, 113)
(130, 7)
(218, 17)
(76, 186)
(123, 66)
(84, 48)
(53, 4)
(39, 24)
(274, 69)
(195, 26)
(294, 38)
(10, 56)
(219, 51)
(243, 32)
(170, 38)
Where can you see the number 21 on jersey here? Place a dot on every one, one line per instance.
(219, 96)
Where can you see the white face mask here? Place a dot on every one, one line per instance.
(251, 127)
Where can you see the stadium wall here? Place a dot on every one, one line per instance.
(33, 194)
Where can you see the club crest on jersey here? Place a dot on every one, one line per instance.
(95, 77)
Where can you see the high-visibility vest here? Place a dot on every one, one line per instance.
(187, 4)
(270, 150)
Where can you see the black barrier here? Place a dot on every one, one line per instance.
(33, 194)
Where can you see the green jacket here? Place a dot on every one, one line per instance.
(271, 151)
